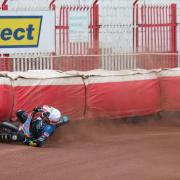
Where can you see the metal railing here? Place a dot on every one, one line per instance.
(112, 62)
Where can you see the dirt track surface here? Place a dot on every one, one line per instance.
(99, 151)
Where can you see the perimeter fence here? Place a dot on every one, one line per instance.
(109, 61)
(113, 36)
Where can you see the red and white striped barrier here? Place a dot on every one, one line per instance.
(59, 90)
(6, 98)
(125, 95)
(91, 95)
(170, 89)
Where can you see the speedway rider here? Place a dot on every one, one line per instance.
(48, 119)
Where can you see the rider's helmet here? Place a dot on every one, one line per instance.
(22, 115)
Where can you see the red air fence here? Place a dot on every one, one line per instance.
(125, 95)
(61, 91)
(170, 89)
(6, 98)
(96, 95)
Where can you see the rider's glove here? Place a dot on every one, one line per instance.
(26, 141)
(30, 142)
(37, 109)
(33, 143)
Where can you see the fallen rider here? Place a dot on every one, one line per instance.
(35, 129)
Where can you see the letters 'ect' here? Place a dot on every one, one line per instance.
(18, 34)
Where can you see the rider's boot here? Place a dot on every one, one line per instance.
(64, 120)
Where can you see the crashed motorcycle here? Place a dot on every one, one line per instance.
(13, 132)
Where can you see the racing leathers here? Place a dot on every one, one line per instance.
(44, 126)
(35, 128)
(40, 131)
